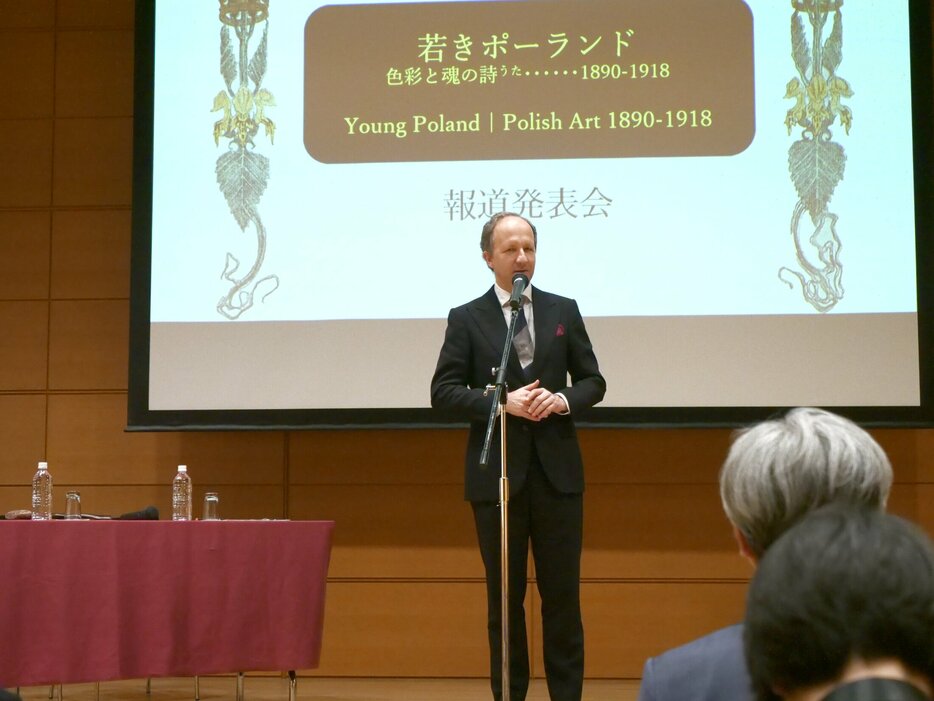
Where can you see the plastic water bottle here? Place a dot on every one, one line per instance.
(181, 495)
(42, 493)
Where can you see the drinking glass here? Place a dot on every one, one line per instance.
(209, 509)
(72, 505)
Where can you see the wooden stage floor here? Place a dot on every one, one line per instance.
(266, 688)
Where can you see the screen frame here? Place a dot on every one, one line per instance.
(141, 418)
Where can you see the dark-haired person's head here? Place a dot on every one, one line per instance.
(841, 608)
(779, 470)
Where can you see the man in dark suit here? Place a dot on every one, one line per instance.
(544, 466)
(776, 473)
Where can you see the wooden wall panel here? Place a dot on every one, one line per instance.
(627, 622)
(16, 14)
(87, 443)
(922, 464)
(405, 629)
(16, 497)
(82, 144)
(88, 346)
(392, 531)
(90, 252)
(95, 13)
(94, 73)
(26, 163)
(378, 457)
(437, 629)
(24, 255)
(644, 532)
(22, 435)
(657, 531)
(23, 344)
(903, 449)
(653, 456)
(924, 515)
(26, 58)
(662, 456)
(905, 501)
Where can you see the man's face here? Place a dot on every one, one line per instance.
(513, 245)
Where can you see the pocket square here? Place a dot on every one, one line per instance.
(560, 330)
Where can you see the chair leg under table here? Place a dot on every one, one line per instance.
(292, 684)
(239, 686)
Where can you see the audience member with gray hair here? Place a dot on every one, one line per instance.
(775, 473)
(778, 471)
(841, 609)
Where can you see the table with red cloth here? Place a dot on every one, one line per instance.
(84, 601)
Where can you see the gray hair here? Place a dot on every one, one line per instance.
(779, 470)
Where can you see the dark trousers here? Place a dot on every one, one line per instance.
(553, 523)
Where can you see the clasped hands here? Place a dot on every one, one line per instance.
(534, 403)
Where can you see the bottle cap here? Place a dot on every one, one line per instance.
(43, 465)
(183, 468)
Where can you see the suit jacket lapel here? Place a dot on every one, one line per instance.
(546, 316)
(489, 317)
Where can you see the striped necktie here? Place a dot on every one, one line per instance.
(522, 340)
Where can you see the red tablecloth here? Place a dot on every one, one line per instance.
(101, 600)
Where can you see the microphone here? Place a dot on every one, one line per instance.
(519, 282)
(150, 513)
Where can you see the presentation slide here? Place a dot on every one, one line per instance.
(727, 188)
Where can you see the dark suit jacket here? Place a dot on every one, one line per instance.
(712, 668)
(473, 345)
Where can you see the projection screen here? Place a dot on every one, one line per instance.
(736, 194)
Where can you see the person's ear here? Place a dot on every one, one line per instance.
(745, 549)
(489, 260)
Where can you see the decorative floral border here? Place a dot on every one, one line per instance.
(815, 162)
(242, 171)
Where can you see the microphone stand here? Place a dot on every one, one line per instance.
(500, 392)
